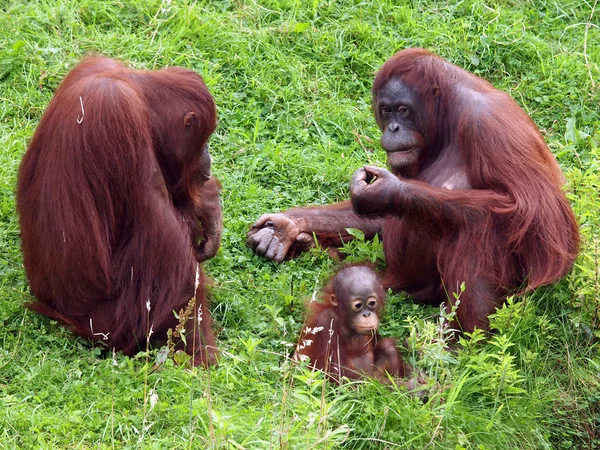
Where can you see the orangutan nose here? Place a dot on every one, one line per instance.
(393, 127)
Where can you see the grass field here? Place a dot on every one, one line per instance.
(292, 80)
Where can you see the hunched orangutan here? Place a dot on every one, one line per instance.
(474, 193)
(117, 206)
(340, 334)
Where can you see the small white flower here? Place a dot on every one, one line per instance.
(305, 343)
(314, 330)
(197, 282)
(153, 398)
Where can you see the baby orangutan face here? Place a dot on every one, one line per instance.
(358, 297)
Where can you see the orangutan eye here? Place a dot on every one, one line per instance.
(372, 303)
(357, 306)
(403, 110)
(385, 110)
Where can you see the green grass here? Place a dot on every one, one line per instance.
(292, 83)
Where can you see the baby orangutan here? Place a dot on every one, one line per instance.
(340, 334)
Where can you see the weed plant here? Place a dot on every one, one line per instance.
(292, 80)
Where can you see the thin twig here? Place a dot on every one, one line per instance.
(367, 151)
(585, 36)
(435, 432)
(80, 118)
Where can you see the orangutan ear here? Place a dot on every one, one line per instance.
(189, 119)
(333, 300)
